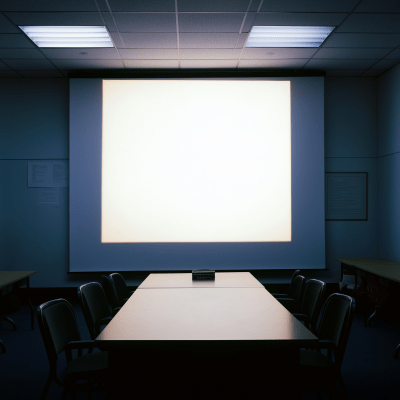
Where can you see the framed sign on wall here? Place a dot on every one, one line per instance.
(346, 196)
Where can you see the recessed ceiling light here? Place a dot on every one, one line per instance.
(68, 36)
(288, 36)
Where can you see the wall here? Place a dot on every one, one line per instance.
(351, 146)
(35, 124)
(389, 164)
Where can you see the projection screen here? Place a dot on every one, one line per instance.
(170, 174)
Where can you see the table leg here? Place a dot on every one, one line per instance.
(30, 305)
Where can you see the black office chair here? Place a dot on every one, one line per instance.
(60, 332)
(289, 293)
(120, 289)
(108, 288)
(319, 372)
(95, 307)
(310, 305)
(293, 301)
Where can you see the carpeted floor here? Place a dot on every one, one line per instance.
(369, 370)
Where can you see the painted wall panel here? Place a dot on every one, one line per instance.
(350, 117)
(34, 116)
(389, 112)
(389, 210)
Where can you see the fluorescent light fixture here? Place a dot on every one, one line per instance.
(288, 36)
(68, 36)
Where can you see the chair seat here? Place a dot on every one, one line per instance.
(89, 366)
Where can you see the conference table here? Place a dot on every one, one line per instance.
(9, 280)
(198, 334)
(377, 290)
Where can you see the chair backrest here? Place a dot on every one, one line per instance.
(296, 288)
(58, 326)
(120, 288)
(295, 273)
(336, 319)
(313, 296)
(108, 288)
(94, 305)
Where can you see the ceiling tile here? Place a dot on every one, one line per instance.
(209, 54)
(395, 54)
(209, 63)
(145, 22)
(210, 22)
(308, 5)
(362, 40)
(373, 23)
(20, 64)
(149, 54)
(48, 5)
(21, 53)
(109, 22)
(81, 53)
(381, 6)
(142, 5)
(56, 19)
(255, 5)
(385, 64)
(351, 53)
(6, 26)
(41, 74)
(88, 64)
(9, 74)
(15, 40)
(241, 42)
(344, 72)
(304, 19)
(150, 40)
(207, 40)
(213, 5)
(152, 64)
(248, 23)
(373, 72)
(284, 63)
(275, 53)
(321, 63)
(117, 40)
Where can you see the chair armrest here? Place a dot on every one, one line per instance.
(302, 317)
(78, 345)
(103, 321)
(115, 310)
(290, 304)
(325, 345)
(276, 295)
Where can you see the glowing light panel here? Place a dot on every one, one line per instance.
(185, 161)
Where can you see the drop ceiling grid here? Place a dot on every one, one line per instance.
(210, 33)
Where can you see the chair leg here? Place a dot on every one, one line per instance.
(46, 387)
(3, 348)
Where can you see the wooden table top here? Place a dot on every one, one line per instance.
(378, 266)
(184, 280)
(9, 277)
(204, 314)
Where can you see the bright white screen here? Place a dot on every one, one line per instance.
(196, 161)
